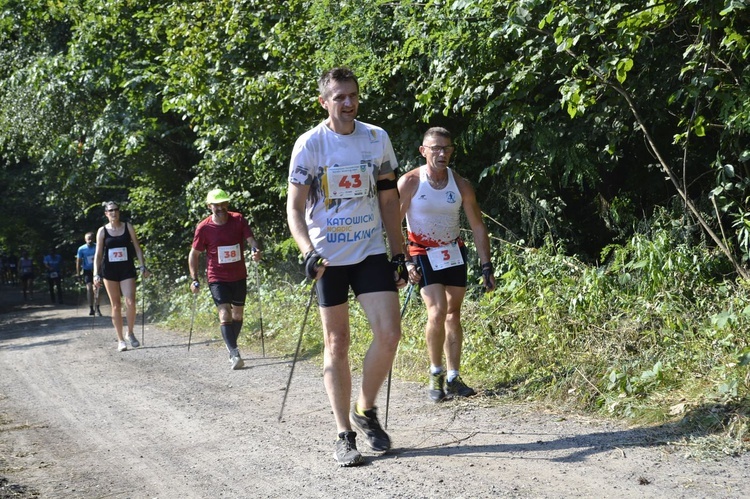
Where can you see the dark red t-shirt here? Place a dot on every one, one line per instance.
(224, 246)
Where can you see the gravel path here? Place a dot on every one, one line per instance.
(79, 419)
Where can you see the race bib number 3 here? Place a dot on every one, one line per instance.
(118, 255)
(229, 254)
(345, 182)
(445, 257)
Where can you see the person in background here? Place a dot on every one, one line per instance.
(342, 196)
(85, 270)
(11, 268)
(26, 270)
(53, 264)
(224, 235)
(431, 199)
(117, 247)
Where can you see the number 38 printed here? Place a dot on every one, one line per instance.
(230, 254)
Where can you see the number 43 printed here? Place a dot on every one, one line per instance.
(347, 182)
(354, 183)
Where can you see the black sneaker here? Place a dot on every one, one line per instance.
(98, 312)
(457, 388)
(377, 438)
(91, 312)
(346, 453)
(436, 386)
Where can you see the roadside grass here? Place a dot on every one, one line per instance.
(657, 334)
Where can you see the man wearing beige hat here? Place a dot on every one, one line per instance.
(223, 236)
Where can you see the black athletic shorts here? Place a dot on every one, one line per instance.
(88, 276)
(118, 273)
(452, 276)
(234, 293)
(373, 274)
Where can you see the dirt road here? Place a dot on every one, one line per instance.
(80, 420)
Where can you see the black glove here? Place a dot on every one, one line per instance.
(399, 265)
(487, 271)
(312, 262)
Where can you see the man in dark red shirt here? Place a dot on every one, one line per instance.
(223, 236)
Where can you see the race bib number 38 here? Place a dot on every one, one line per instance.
(118, 254)
(345, 182)
(229, 254)
(445, 257)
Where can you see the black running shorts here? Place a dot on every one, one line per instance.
(233, 293)
(373, 274)
(118, 273)
(452, 276)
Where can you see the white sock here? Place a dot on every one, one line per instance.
(436, 369)
(452, 374)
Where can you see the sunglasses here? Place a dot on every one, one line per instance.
(112, 210)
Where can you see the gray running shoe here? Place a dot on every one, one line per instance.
(98, 312)
(236, 359)
(133, 341)
(376, 437)
(457, 388)
(436, 386)
(346, 453)
(121, 346)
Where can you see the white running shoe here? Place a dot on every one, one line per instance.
(121, 346)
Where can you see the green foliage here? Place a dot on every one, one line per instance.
(105, 98)
(620, 337)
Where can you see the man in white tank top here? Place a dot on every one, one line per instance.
(431, 199)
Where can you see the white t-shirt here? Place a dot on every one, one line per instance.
(342, 211)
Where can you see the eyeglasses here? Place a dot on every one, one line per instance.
(439, 149)
(110, 210)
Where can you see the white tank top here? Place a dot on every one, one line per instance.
(432, 219)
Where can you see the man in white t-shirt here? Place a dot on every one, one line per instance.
(431, 199)
(342, 195)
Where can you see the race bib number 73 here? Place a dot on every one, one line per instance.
(118, 254)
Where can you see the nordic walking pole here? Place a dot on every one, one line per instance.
(260, 308)
(390, 371)
(192, 316)
(143, 311)
(296, 352)
(95, 291)
(78, 302)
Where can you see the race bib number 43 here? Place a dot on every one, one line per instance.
(229, 254)
(118, 254)
(445, 257)
(345, 182)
